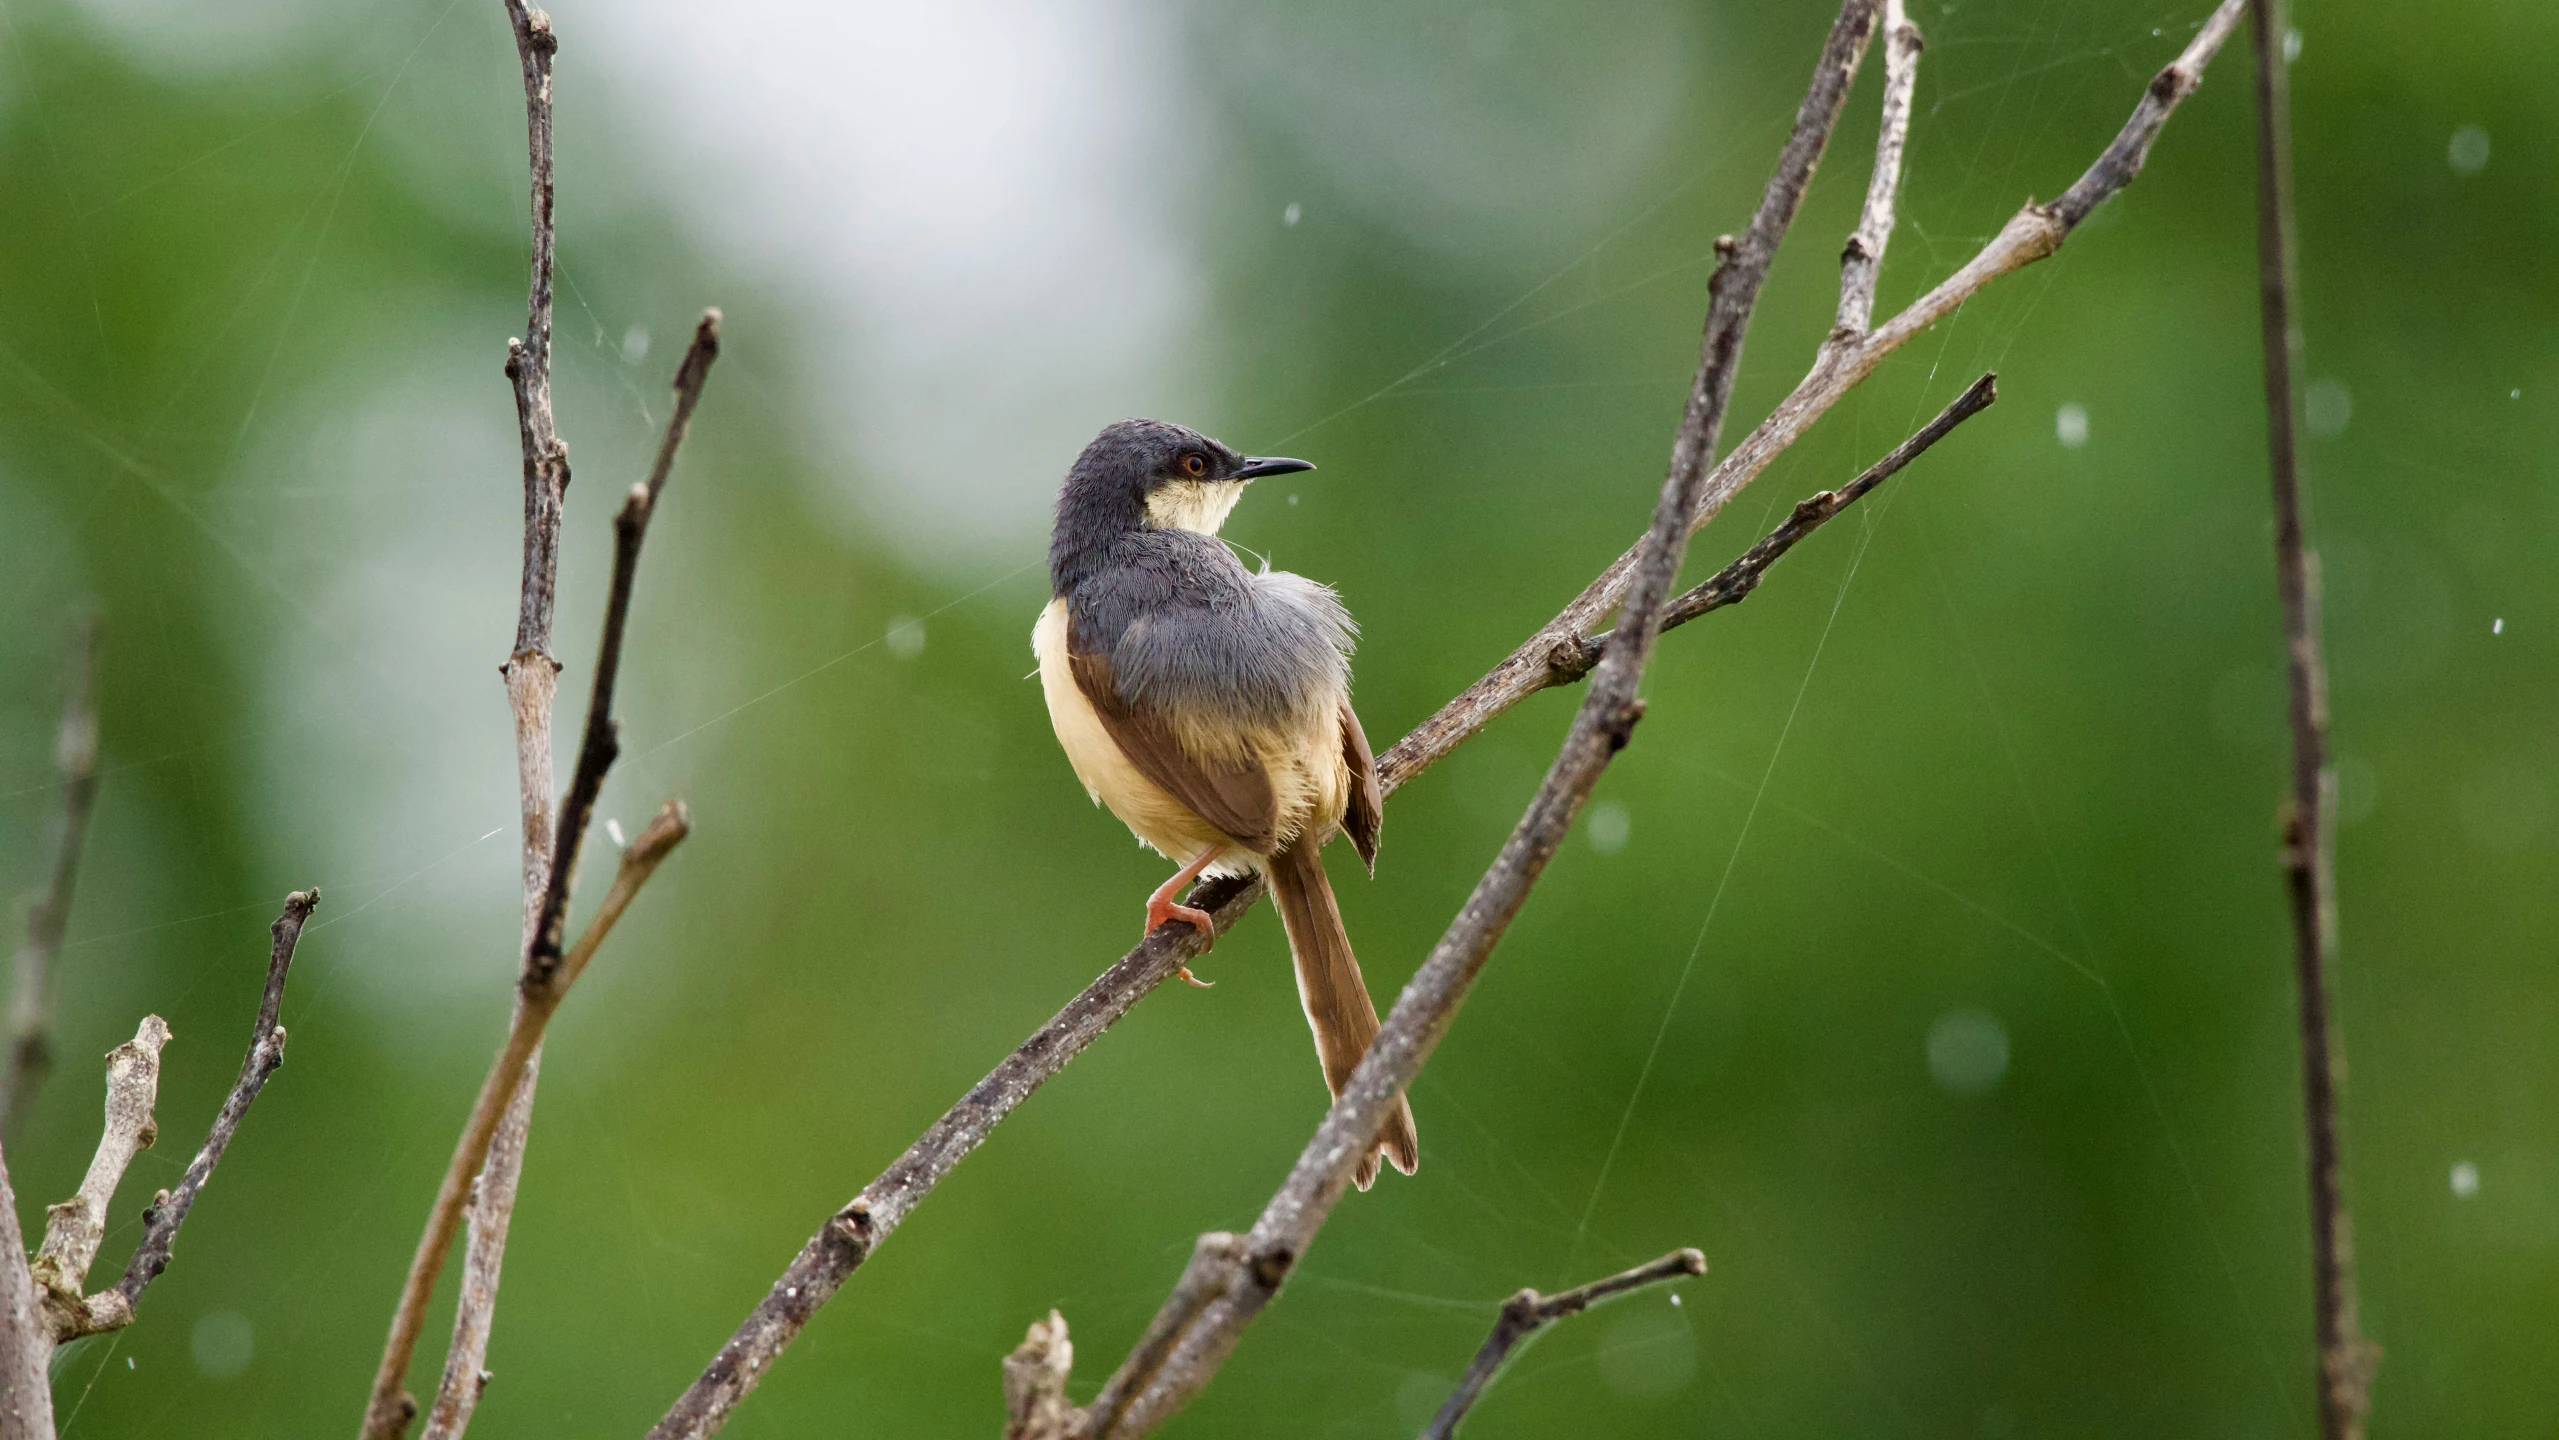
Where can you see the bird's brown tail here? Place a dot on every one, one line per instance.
(1337, 1005)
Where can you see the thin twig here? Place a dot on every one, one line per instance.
(169, 1209)
(26, 1338)
(602, 744)
(74, 1229)
(1527, 1312)
(531, 671)
(1862, 262)
(1734, 583)
(75, 755)
(2346, 1359)
(850, 1235)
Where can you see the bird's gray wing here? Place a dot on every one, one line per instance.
(1367, 812)
(1235, 796)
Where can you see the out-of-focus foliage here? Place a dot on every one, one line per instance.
(1922, 960)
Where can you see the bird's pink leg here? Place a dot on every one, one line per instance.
(1161, 906)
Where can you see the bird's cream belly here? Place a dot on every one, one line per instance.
(1310, 777)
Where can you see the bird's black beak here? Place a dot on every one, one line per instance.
(1256, 468)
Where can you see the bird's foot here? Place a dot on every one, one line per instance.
(1162, 908)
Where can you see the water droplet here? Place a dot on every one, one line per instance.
(1967, 1051)
(2468, 151)
(1294, 213)
(905, 636)
(1609, 825)
(635, 344)
(2465, 1179)
(2516, 394)
(1674, 1299)
(2327, 407)
(223, 1343)
(614, 829)
(2497, 626)
(1292, 499)
(2292, 45)
(2070, 425)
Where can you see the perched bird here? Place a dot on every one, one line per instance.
(1209, 706)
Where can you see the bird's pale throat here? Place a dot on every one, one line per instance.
(1199, 505)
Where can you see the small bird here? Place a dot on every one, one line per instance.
(1209, 707)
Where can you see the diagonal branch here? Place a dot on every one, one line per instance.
(75, 755)
(850, 1235)
(169, 1209)
(1527, 1312)
(2346, 1359)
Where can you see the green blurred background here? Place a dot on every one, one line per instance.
(1923, 961)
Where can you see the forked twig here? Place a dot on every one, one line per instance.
(169, 1209)
(1527, 1312)
(488, 1158)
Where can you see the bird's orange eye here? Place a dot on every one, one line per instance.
(1194, 465)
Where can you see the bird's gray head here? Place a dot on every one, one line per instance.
(1148, 475)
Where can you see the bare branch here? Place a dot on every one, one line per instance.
(493, 1140)
(1735, 582)
(2031, 234)
(2346, 1359)
(26, 1337)
(169, 1210)
(1862, 262)
(74, 1228)
(1528, 1312)
(75, 755)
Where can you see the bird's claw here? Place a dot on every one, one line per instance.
(1158, 912)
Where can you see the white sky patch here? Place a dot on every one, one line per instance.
(974, 200)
